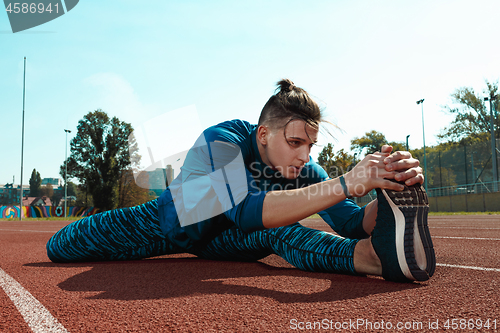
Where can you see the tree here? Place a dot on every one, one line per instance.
(59, 194)
(83, 198)
(130, 194)
(445, 163)
(325, 157)
(373, 142)
(343, 162)
(47, 190)
(71, 189)
(397, 146)
(35, 183)
(472, 115)
(57, 197)
(335, 164)
(99, 154)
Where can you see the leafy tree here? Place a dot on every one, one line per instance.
(397, 146)
(335, 164)
(57, 197)
(59, 194)
(373, 141)
(99, 154)
(47, 190)
(35, 183)
(343, 162)
(472, 114)
(71, 189)
(325, 157)
(130, 194)
(83, 198)
(451, 163)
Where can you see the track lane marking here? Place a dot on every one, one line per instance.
(468, 228)
(38, 318)
(470, 267)
(468, 238)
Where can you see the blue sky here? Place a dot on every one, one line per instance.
(368, 62)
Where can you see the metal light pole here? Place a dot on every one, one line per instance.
(473, 171)
(66, 175)
(22, 147)
(493, 145)
(421, 101)
(407, 147)
(440, 174)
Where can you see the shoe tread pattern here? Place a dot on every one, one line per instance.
(413, 203)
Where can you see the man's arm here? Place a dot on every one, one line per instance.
(285, 207)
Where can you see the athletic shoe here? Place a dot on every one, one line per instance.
(401, 235)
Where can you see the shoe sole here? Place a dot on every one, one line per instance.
(414, 246)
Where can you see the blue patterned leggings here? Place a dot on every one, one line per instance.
(134, 233)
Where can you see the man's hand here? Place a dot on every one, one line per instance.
(407, 167)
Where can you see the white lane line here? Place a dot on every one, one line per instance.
(34, 313)
(469, 238)
(28, 230)
(471, 228)
(470, 267)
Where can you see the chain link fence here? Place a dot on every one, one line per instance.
(461, 170)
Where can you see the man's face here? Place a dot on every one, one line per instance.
(289, 153)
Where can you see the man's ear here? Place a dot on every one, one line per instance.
(262, 133)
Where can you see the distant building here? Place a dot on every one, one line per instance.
(157, 179)
(169, 174)
(160, 178)
(10, 193)
(71, 200)
(55, 182)
(37, 201)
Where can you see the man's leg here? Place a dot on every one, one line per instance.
(305, 248)
(366, 260)
(120, 234)
(400, 248)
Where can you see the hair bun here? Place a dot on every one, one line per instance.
(286, 85)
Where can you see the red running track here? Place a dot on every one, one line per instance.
(180, 293)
